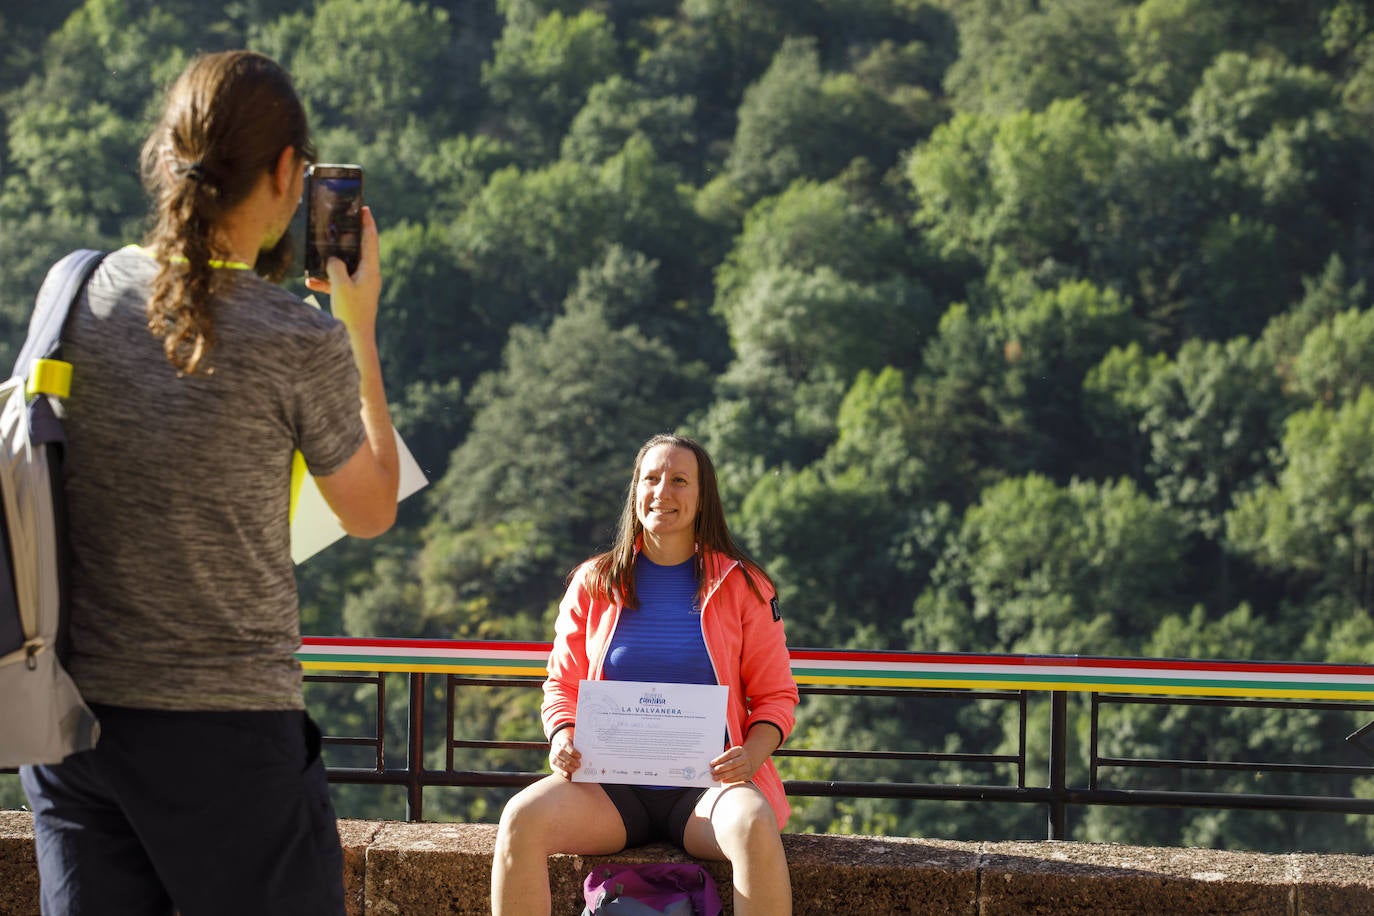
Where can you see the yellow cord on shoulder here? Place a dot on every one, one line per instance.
(214, 262)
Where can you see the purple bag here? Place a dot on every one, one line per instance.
(657, 889)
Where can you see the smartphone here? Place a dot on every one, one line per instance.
(333, 217)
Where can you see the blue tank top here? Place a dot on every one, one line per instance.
(661, 640)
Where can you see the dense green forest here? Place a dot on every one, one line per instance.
(1029, 326)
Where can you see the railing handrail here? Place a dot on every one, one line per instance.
(1105, 681)
(876, 668)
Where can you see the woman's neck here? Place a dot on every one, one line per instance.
(668, 551)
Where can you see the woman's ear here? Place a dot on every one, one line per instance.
(285, 172)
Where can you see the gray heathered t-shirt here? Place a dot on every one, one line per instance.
(183, 590)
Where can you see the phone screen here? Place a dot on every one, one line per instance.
(334, 217)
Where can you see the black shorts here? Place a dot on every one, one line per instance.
(203, 812)
(653, 814)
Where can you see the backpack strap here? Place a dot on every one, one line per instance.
(44, 374)
(59, 290)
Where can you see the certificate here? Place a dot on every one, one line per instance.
(649, 734)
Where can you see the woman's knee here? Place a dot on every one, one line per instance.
(742, 816)
(525, 816)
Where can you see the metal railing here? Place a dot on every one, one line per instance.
(1020, 682)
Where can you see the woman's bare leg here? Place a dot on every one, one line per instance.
(735, 823)
(550, 816)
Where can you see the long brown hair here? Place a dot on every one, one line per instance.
(226, 121)
(613, 572)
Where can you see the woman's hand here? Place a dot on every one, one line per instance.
(741, 762)
(735, 765)
(564, 759)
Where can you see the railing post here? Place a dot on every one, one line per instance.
(415, 754)
(1059, 755)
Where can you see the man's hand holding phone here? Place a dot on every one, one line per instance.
(353, 297)
(333, 216)
(364, 490)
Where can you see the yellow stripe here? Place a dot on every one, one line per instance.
(50, 376)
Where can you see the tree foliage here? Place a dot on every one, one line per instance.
(1012, 325)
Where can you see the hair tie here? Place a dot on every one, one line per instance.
(195, 171)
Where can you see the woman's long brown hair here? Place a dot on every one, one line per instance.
(613, 572)
(226, 122)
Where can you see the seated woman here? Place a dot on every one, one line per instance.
(674, 600)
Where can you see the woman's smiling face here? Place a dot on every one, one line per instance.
(666, 494)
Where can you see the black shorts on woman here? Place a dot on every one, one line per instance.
(652, 813)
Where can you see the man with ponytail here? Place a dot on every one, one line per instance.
(195, 380)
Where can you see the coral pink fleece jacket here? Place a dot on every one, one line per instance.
(743, 637)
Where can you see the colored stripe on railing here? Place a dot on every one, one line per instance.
(432, 656)
(1183, 677)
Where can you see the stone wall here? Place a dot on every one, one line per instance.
(403, 869)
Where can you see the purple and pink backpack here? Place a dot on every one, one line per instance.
(657, 889)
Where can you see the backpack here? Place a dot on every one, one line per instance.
(42, 718)
(658, 889)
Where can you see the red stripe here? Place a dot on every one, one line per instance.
(451, 645)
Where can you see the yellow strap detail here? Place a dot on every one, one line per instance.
(225, 265)
(50, 376)
(298, 473)
(214, 262)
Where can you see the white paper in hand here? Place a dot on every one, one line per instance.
(314, 525)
